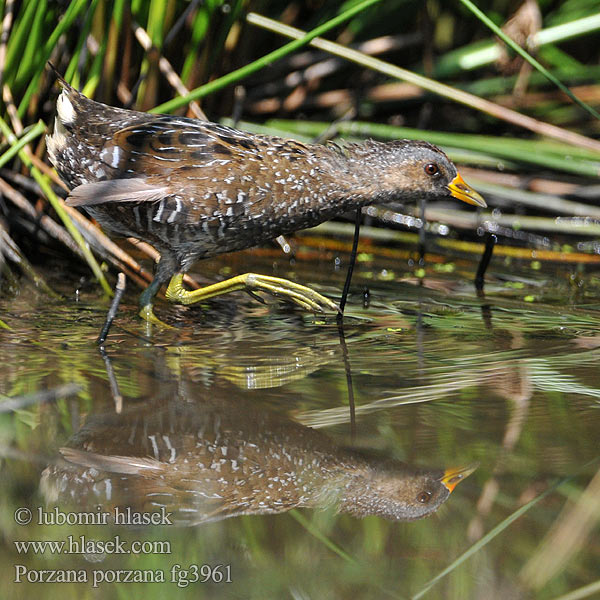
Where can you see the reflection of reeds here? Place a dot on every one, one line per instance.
(376, 544)
(447, 383)
(486, 539)
(21, 402)
(566, 538)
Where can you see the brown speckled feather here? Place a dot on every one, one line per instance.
(213, 459)
(195, 189)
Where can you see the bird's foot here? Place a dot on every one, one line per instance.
(147, 313)
(293, 292)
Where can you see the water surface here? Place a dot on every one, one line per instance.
(426, 374)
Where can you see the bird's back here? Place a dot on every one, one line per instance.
(196, 187)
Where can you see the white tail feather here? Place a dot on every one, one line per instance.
(65, 116)
(65, 108)
(115, 190)
(132, 465)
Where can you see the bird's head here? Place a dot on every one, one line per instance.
(408, 170)
(401, 493)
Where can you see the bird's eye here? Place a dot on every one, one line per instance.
(431, 169)
(424, 497)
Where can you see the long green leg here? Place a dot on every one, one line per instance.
(294, 292)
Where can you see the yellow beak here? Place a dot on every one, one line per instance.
(460, 190)
(453, 476)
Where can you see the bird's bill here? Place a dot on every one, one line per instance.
(461, 191)
(454, 475)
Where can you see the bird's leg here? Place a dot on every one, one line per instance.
(294, 292)
(147, 296)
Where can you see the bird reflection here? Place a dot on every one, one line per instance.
(210, 459)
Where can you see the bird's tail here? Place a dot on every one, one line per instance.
(82, 128)
(65, 117)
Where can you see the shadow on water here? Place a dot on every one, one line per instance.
(260, 412)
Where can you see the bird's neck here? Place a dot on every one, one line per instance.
(358, 173)
(334, 180)
(358, 486)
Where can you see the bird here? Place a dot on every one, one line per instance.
(194, 189)
(209, 457)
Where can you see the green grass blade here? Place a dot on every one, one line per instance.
(27, 59)
(565, 31)
(95, 71)
(18, 39)
(262, 62)
(582, 592)
(22, 142)
(325, 540)
(486, 539)
(525, 55)
(42, 181)
(85, 30)
(446, 91)
(487, 52)
(73, 11)
(199, 29)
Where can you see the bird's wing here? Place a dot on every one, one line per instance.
(169, 143)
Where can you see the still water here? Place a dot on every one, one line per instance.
(255, 451)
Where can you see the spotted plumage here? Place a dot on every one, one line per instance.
(222, 457)
(195, 189)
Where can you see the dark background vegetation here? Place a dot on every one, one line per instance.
(434, 381)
